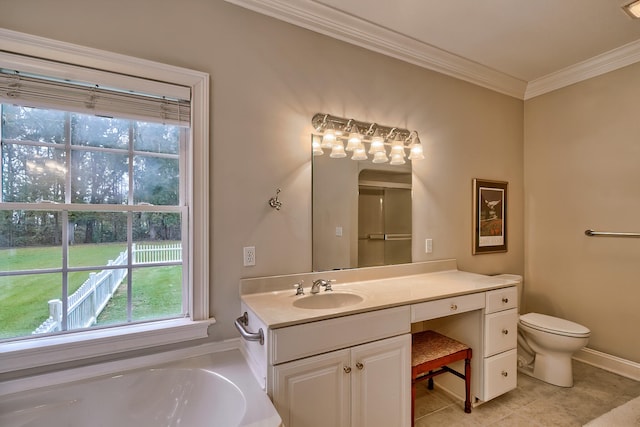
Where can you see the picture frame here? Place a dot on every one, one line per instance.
(489, 216)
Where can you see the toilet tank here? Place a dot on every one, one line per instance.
(517, 278)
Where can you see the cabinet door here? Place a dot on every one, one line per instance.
(381, 383)
(314, 392)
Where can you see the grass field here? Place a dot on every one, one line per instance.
(156, 291)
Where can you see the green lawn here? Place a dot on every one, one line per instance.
(156, 292)
(24, 299)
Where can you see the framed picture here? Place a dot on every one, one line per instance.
(489, 216)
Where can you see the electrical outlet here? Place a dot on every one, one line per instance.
(428, 246)
(249, 256)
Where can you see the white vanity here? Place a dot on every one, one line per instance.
(345, 359)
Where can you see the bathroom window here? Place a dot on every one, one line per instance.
(97, 218)
(91, 225)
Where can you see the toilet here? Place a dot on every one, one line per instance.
(546, 345)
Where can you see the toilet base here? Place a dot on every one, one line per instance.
(555, 369)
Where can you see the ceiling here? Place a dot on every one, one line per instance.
(521, 48)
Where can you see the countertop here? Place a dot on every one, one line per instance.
(276, 310)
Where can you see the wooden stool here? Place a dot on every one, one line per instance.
(430, 351)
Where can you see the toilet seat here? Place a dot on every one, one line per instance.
(554, 325)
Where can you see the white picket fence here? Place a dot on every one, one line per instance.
(92, 297)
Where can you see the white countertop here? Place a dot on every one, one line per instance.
(276, 308)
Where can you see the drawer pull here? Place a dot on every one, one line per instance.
(359, 366)
(505, 374)
(505, 300)
(505, 332)
(454, 307)
(347, 369)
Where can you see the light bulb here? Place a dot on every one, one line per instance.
(337, 151)
(397, 159)
(397, 148)
(315, 145)
(354, 141)
(380, 157)
(416, 148)
(359, 153)
(416, 152)
(328, 138)
(377, 145)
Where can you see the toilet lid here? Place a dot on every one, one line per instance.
(554, 325)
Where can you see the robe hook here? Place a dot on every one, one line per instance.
(274, 202)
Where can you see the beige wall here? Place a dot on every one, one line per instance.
(582, 171)
(268, 79)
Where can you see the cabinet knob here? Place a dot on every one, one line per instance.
(347, 369)
(505, 300)
(505, 374)
(359, 366)
(505, 332)
(454, 307)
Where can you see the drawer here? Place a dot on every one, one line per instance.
(501, 331)
(295, 342)
(500, 374)
(502, 299)
(446, 307)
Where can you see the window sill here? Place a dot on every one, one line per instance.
(36, 352)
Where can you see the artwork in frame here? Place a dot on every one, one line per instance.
(489, 216)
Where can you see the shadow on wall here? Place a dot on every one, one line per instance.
(542, 302)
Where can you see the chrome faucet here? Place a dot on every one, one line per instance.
(315, 288)
(299, 288)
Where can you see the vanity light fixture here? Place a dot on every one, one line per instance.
(633, 9)
(332, 132)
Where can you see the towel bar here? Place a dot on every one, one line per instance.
(610, 234)
(241, 323)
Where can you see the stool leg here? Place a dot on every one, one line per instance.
(467, 385)
(430, 382)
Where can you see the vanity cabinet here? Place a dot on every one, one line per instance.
(352, 367)
(346, 371)
(490, 328)
(365, 385)
(500, 343)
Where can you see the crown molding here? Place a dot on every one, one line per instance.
(593, 67)
(323, 19)
(315, 16)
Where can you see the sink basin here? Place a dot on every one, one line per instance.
(328, 300)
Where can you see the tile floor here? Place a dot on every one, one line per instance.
(534, 403)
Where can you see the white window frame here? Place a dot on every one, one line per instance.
(58, 59)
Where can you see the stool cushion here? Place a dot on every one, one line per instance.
(430, 345)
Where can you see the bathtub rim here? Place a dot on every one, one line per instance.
(98, 370)
(260, 411)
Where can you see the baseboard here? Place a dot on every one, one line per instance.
(610, 363)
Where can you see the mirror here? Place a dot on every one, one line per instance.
(361, 213)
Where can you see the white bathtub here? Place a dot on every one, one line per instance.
(215, 389)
